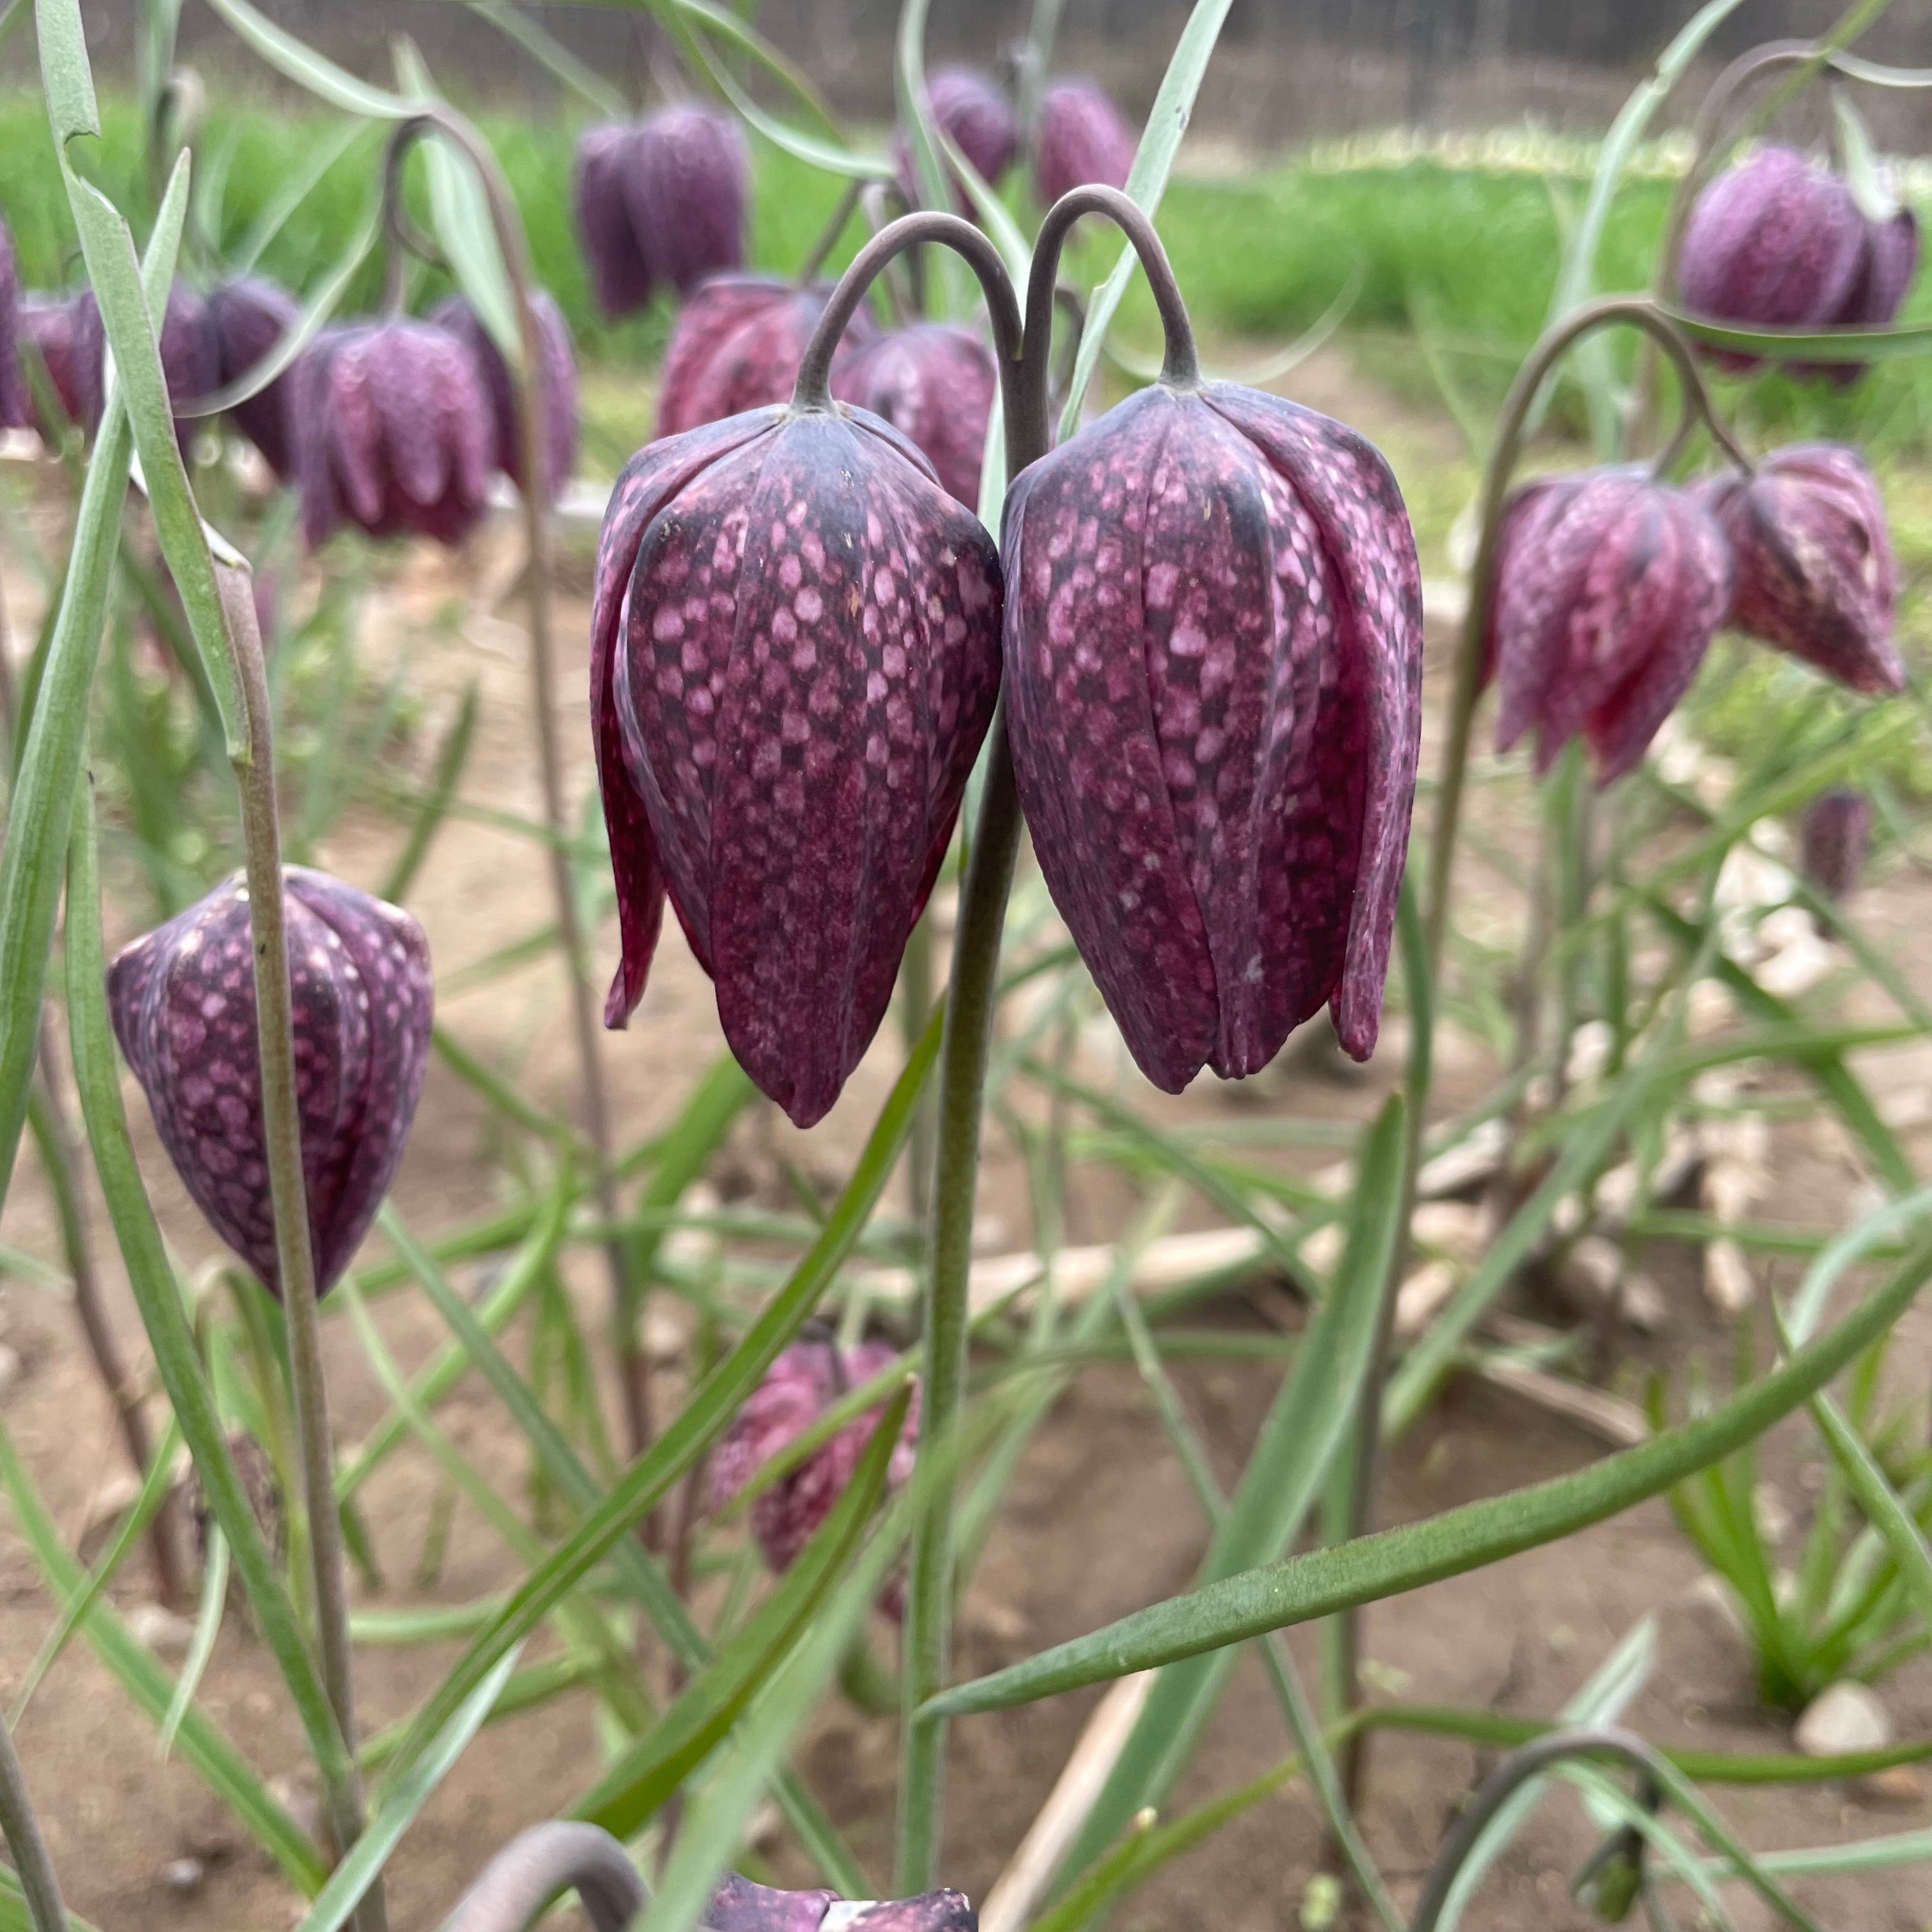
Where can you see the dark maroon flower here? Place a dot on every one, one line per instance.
(1776, 241)
(1835, 839)
(1608, 588)
(14, 410)
(183, 1002)
(393, 432)
(737, 346)
(1815, 571)
(798, 1388)
(685, 184)
(246, 319)
(739, 1906)
(794, 657)
(936, 384)
(559, 381)
(1213, 662)
(662, 201)
(620, 277)
(1081, 138)
(65, 332)
(974, 115)
(1889, 261)
(186, 346)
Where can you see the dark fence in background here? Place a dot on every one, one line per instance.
(1288, 70)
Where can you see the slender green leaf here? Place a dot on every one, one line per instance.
(203, 1747)
(1809, 345)
(450, 758)
(289, 193)
(543, 46)
(1371, 1568)
(307, 68)
(706, 1415)
(641, 1781)
(1308, 1420)
(394, 1817)
(207, 1628)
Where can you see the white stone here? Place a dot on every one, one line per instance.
(160, 1630)
(1844, 1716)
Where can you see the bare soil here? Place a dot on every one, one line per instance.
(1099, 1521)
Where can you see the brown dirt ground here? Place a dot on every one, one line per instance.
(1098, 1522)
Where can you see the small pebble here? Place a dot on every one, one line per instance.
(12, 1369)
(1844, 1716)
(183, 1875)
(160, 1630)
(1898, 1784)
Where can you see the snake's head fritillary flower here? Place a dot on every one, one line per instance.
(795, 656)
(937, 384)
(64, 331)
(737, 346)
(188, 365)
(1608, 588)
(739, 1906)
(1082, 138)
(620, 277)
(1213, 663)
(393, 432)
(246, 319)
(798, 1388)
(1816, 575)
(1776, 241)
(559, 387)
(183, 1004)
(1835, 840)
(686, 183)
(970, 110)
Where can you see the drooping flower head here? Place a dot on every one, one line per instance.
(559, 391)
(246, 319)
(394, 432)
(977, 118)
(1835, 839)
(936, 384)
(798, 1388)
(661, 201)
(1778, 240)
(795, 656)
(739, 1905)
(64, 331)
(183, 1002)
(737, 346)
(188, 353)
(1213, 661)
(1081, 138)
(1608, 588)
(1815, 574)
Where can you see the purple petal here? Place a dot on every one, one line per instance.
(739, 1906)
(246, 319)
(1081, 138)
(619, 275)
(685, 180)
(936, 384)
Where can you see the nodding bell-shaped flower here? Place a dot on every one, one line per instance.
(393, 432)
(794, 658)
(935, 383)
(1815, 574)
(1214, 664)
(183, 1002)
(738, 1905)
(661, 201)
(1835, 839)
(65, 332)
(974, 114)
(737, 346)
(1081, 138)
(559, 387)
(187, 353)
(1779, 241)
(13, 411)
(246, 319)
(1608, 587)
(798, 1388)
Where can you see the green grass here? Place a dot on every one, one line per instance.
(1470, 255)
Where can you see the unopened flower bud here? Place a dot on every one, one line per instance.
(1835, 838)
(1081, 138)
(972, 112)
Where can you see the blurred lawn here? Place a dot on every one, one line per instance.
(1468, 258)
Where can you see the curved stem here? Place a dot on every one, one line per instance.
(537, 1866)
(1515, 1771)
(1181, 367)
(294, 1257)
(533, 433)
(828, 236)
(400, 235)
(812, 391)
(22, 1831)
(1426, 958)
